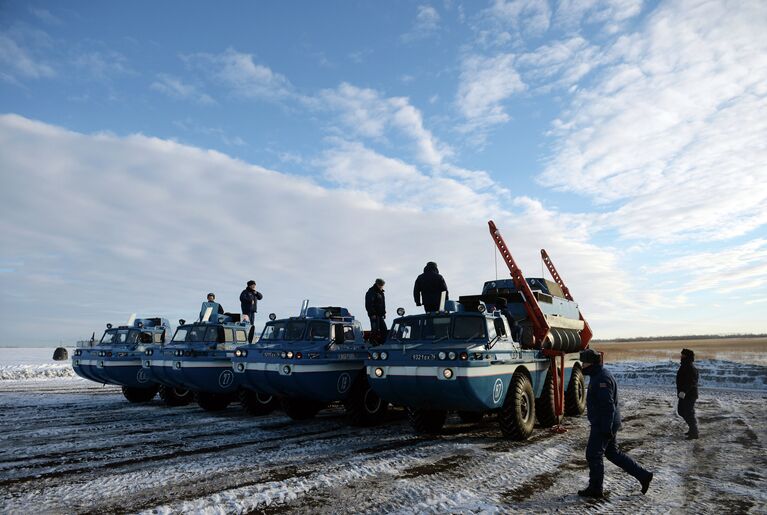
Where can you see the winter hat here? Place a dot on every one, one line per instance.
(590, 356)
(251, 283)
(687, 353)
(380, 282)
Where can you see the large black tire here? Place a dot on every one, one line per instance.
(212, 401)
(176, 396)
(426, 421)
(470, 417)
(257, 404)
(300, 409)
(364, 407)
(575, 395)
(517, 415)
(544, 405)
(139, 394)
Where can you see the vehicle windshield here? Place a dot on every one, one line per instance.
(439, 328)
(318, 331)
(196, 333)
(120, 336)
(284, 331)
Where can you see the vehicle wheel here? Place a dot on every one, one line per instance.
(517, 416)
(545, 409)
(470, 417)
(426, 421)
(364, 407)
(139, 394)
(257, 404)
(212, 401)
(176, 396)
(300, 409)
(575, 396)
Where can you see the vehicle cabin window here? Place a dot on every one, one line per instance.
(180, 335)
(146, 338)
(491, 331)
(241, 336)
(467, 327)
(213, 333)
(192, 333)
(158, 337)
(318, 331)
(126, 337)
(435, 327)
(109, 336)
(228, 334)
(406, 330)
(284, 331)
(349, 333)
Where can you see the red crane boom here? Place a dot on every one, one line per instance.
(586, 333)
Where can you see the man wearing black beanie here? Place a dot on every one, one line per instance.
(687, 391)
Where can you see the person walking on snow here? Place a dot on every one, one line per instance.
(375, 305)
(687, 392)
(428, 288)
(605, 419)
(249, 301)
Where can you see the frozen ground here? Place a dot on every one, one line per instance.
(71, 446)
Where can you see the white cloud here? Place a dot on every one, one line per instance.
(426, 24)
(45, 16)
(241, 74)
(102, 65)
(17, 61)
(485, 84)
(529, 17)
(176, 88)
(611, 15)
(101, 226)
(673, 125)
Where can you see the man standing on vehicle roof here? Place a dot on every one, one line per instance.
(605, 419)
(375, 305)
(211, 303)
(249, 301)
(687, 391)
(428, 288)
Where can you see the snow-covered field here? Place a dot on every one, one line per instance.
(71, 446)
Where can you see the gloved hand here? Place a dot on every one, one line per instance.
(680, 395)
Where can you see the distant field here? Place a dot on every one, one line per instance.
(750, 350)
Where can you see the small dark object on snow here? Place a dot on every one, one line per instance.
(590, 491)
(60, 354)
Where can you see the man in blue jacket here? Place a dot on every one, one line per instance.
(687, 391)
(428, 288)
(605, 419)
(249, 301)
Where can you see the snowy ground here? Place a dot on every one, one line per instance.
(70, 446)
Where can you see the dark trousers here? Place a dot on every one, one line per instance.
(430, 308)
(378, 328)
(251, 316)
(686, 410)
(600, 446)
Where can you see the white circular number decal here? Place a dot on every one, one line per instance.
(498, 390)
(226, 379)
(344, 382)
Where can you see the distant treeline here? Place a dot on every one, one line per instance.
(687, 337)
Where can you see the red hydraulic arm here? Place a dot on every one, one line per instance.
(586, 334)
(540, 325)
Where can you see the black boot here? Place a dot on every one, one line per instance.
(692, 436)
(591, 492)
(646, 483)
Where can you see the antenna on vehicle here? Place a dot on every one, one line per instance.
(208, 312)
(131, 319)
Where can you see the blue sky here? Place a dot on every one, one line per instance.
(153, 152)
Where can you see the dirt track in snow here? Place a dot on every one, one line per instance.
(69, 446)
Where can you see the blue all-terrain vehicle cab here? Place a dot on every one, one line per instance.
(198, 359)
(509, 351)
(310, 361)
(116, 358)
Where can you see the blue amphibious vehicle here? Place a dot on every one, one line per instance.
(116, 358)
(198, 359)
(309, 361)
(509, 351)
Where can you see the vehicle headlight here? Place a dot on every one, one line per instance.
(384, 355)
(238, 353)
(441, 355)
(241, 367)
(447, 373)
(451, 355)
(289, 354)
(147, 363)
(378, 372)
(375, 355)
(283, 354)
(401, 311)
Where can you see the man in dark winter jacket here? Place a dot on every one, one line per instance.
(605, 419)
(687, 391)
(217, 309)
(428, 288)
(375, 305)
(249, 301)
